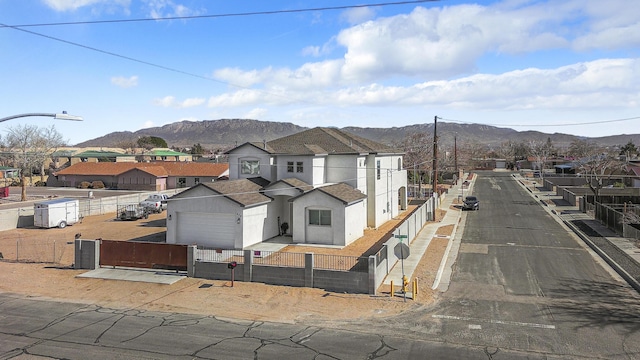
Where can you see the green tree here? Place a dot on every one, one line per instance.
(629, 149)
(197, 149)
(150, 142)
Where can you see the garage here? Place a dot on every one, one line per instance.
(217, 230)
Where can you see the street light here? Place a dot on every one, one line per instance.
(59, 116)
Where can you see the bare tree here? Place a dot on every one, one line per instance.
(581, 148)
(541, 152)
(30, 147)
(599, 166)
(418, 156)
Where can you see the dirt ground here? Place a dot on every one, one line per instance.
(252, 301)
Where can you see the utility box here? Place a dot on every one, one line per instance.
(56, 213)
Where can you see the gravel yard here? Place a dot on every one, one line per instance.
(252, 301)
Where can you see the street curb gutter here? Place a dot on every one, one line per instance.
(625, 275)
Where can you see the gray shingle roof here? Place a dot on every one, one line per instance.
(343, 192)
(243, 191)
(294, 183)
(322, 140)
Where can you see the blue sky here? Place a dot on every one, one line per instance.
(570, 66)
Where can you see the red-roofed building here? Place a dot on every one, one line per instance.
(153, 176)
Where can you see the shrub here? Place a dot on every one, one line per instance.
(40, 183)
(97, 185)
(84, 185)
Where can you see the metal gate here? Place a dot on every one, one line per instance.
(143, 255)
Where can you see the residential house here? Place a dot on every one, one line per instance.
(633, 172)
(101, 156)
(160, 154)
(325, 184)
(8, 174)
(154, 176)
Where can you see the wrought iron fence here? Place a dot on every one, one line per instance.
(340, 262)
(275, 258)
(219, 256)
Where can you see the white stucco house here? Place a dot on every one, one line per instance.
(326, 184)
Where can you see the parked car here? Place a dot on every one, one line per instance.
(471, 203)
(155, 203)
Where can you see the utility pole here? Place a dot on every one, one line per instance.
(435, 154)
(455, 156)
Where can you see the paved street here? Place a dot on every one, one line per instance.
(523, 282)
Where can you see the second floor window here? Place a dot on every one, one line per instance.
(378, 169)
(196, 181)
(289, 166)
(250, 167)
(299, 166)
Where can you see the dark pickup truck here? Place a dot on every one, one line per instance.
(471, 203)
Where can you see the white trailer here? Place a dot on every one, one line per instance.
(56, 213)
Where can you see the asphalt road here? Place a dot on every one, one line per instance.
(523, 282)
(38, 329)
(522, 287)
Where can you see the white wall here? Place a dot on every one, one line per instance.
(330, 235)
(248, 152)
(355, 221)
(308, 168)
(383, 192)
(257, 226)
(199, 199)
(342, 168)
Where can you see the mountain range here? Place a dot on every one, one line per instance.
(227, 133)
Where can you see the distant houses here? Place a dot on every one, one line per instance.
(151, 176)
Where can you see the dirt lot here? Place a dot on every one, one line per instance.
(252, 301)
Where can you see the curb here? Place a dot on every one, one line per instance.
(617, 268)
(614, 265)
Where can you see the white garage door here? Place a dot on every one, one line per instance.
(206, 229)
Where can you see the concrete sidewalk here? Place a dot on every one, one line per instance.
(620, 253)
(427, 233)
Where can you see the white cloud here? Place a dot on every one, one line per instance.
(71, 5)
(170, 101)
(444, 42)
(358, 15)
(168, 8)
(602, 83)
(257, 113)
(125, 82)
(148, 124)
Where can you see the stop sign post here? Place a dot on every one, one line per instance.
(402, 251)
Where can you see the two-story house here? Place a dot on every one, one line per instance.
(327, 185)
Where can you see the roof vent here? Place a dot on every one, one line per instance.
(264, 143)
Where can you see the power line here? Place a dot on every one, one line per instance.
(546, 125)
(253, 13)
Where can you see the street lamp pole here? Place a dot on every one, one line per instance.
(58, 116)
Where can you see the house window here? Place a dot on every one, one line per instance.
(250, 167)
(399, 164)
(182, 182)
(289, 166)
(320, 217)
(196, 181)
(299, 166)
(378, 169)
